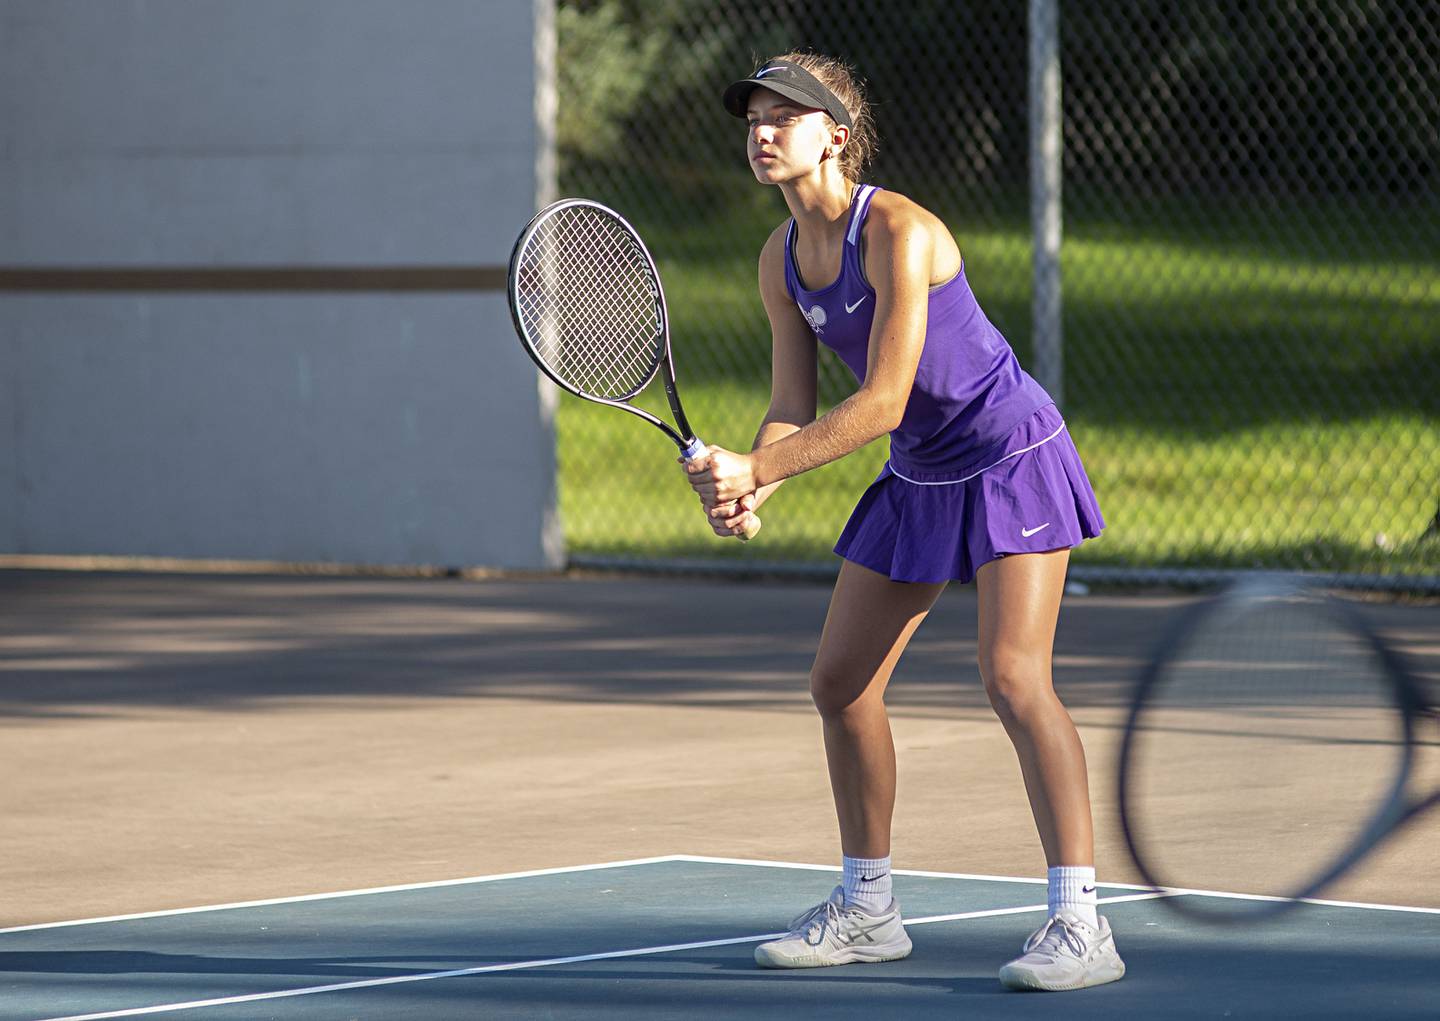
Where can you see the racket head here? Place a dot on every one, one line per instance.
(586, 301)
(1268, 748)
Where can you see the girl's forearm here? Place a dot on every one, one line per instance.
(848, 426)
(771, 432)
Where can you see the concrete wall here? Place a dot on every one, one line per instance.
(363, 398)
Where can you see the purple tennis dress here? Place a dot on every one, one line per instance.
(981, 464)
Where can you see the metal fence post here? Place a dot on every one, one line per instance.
(1045, 171)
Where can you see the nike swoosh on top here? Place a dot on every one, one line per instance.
(851, 308)
(1027, 532)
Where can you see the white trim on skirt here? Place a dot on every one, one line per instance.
(982, 471)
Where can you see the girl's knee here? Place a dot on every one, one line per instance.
(1016, 684)
(834, 691)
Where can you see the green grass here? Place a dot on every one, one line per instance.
(1236, 404)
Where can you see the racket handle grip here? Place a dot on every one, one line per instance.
(696, 448)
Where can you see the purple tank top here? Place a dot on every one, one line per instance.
(970, 391)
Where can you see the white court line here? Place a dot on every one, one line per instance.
(525, 965)
(660, 859)
(995, 912)
(400, 979)
(301, 898)
(899, 872)
(1167, 891)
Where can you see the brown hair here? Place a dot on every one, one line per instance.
(841, 79)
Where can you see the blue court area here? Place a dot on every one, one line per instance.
(672, 938)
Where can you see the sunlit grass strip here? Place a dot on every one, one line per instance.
(1310, 496)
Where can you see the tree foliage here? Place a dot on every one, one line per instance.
(1320, 97)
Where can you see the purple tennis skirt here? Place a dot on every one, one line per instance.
(1027, 494)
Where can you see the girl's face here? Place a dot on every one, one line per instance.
(785, 140)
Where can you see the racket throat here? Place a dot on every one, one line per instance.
(692, 448)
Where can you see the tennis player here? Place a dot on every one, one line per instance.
(983, 482)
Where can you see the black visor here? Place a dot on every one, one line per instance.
(792, 82)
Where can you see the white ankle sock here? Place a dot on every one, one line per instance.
(867, 883)
(1072, 888)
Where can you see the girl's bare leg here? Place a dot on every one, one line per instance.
(870, 621)
(1019, 606)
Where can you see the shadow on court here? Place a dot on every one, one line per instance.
(85, 643)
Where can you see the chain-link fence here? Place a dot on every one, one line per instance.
(1251, 259)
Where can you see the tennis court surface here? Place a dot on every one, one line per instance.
(672, 938)
(572, 797)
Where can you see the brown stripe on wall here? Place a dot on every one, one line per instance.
(254, 278)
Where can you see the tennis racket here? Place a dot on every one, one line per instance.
(1273, 741)
(588, 306)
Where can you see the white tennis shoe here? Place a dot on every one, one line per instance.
(833, 933)
(1065, 953)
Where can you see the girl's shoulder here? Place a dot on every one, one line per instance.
(777, 236)
(894, 214)
(898, 224)
(773, 286)
(772, 254)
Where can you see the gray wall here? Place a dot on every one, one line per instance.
(382, 419)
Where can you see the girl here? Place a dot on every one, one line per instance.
(983, 482)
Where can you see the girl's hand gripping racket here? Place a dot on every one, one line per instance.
(588, 306)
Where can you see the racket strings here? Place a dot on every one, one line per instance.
(1261, 749)
(588, 302)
